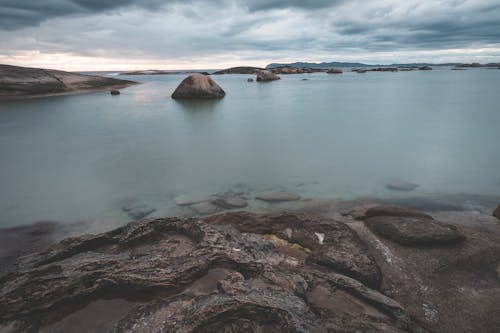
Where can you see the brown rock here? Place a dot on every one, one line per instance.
(334, 71)
(264, 75)
(496, 213)
(278, 197)
(114, 92)
(414, 230)
(394, 211)
(198, 86)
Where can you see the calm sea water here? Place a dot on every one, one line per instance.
(77, 158)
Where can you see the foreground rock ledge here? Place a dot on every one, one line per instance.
(245, 272)
(198, 86)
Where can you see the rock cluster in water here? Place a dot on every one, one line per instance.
(247, 272)
(198, 86)
(264, 75)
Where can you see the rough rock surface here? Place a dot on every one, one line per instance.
(263, 76)
(230, 202)
(278, 197)
(198, 86)
(190, 275)
(246, 272)
(22, 82)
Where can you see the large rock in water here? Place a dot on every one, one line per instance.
(198, 86)
(263, 76)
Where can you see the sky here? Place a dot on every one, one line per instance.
(209, 34)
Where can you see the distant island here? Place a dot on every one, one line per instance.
(25, 82)
(358, 64)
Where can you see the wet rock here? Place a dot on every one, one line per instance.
(167, 266)
(401, 186)
(198, 86)
(425, 68)
(263, 76)
(204, 208)
(249, 79)
(383, 210)
(496, 213)
(414, 230)
(230, 202)
(114, 92)
(138, 210)
(278, 197)
(334, 71)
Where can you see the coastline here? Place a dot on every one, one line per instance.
(67, 93)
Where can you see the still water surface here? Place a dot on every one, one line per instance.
(77, 158)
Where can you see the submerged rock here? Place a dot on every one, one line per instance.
(263, 76)
(393, 211)
(230, 202)
(402, 186)
(496, 213)
(138, 210)
(278, 197)
(249, 79)
(190, 199)
(204, 208)
(198, 86)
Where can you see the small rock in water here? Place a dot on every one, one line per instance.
(249, 79)
(278, 197)
(204, 208)
(230, 202)
(496, 213)
(401, 186)
(138, 210)
(114, 92)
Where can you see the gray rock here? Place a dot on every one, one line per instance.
(401, 186)
(138, 210)
(263, 76)
(114, 92)
(278, 197)
(334, 71)
(198, 86)
(249, 79)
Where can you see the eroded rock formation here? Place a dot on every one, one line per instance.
(247, 272)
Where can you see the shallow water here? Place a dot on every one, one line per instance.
(79, 158)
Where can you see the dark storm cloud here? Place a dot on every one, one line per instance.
(16, 14)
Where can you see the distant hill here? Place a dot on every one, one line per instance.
(350, 64)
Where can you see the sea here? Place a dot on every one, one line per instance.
(324, 137)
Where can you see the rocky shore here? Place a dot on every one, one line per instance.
(23, 82)
(347, 267)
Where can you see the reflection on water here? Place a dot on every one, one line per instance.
(79, 158)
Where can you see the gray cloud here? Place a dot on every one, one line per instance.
(259, 30)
